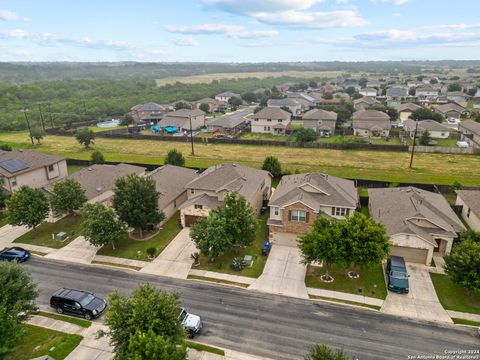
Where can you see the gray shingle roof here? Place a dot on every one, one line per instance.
(367, 100)
(429, 125)
(272, 113)
(470, 125)
(442, 109)
(33, 160)
(228, 122)
(283, 102)
(320, 114)
(396, 92)
(471, 198)
(315, 190)
(371, 119)
(228, 94)
(407, 107)
(148, 107)
(210, 202)
(185, 113)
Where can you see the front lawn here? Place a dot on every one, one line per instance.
(261, 136)
(137, 249)
(70, 319)
(3, 219)
(42, 234)
(38, 341)
(222, 263)
(371, 282)
(453, 296)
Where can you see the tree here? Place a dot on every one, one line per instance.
(425, 138)
(356, 96)
(433, 81)
(323, 244)
(182, 105)
(204, 107)
(100, 225)
(463, 265)
(393, 113)
(454, 87)
(468, 235)
(127, 119)
(272, 165)
(328, 96)
(313, 84)
(412, 91)
(135, 201)
(97, 158)
(323, 352)
(27, 206)
(363, 82)
(286, 108)
(258, 108)
(425, 114)
(5, 147)
(366, 243)
(210, 236)
(37, 134)
(68, 196)
(472, 91)
(250, 97)
(4, 195)
(350, 90)
(174, 157)
(85, 137)
(146, 316)
(17, 302)
(235, 102)
(305, 135)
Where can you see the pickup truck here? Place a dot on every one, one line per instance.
(192, 323)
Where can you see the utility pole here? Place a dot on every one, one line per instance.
(51, 117)
(28, 125)
(414, 141)
(41, 116)
(191, 134)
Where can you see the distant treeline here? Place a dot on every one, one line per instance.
(28, 72)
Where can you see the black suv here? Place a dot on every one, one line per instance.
(77, 302)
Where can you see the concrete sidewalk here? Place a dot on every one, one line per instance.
(345, 296)
(463, 316)
(79, 250)
(9, 233)
(221, 276)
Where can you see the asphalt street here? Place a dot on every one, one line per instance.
(235, 115)
(263, 324)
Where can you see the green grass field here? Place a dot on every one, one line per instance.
(453, 296)
(371, 282)
(362, 164)
(70, 319)
(137, 250)
(42, 234)
(259, 136)
(222, 263)
(38, 341)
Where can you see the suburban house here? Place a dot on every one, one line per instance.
(470, 132)
(227, 95)
(451, 110)
(271, 120)
(208, 190)
(294, 105)
(170, 181)
(435, 129)
(458, 97)
(371, 123)
(322, 121)
(228, 125)
(368, 92)
(300, 198)
(98, 180)
(181, 119)
(34, 169)
(213, 104)
(426, 92)
(146, 113)
(470, 202)
(395, 95)
(306, 101)
(364, 102)
(420, 224)
(405, 110)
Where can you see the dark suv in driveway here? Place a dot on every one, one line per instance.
(397, 275)
(77, 302)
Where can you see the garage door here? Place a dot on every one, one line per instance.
(418, 256)
(285, 239)
(190, 220)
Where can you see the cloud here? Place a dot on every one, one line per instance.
(7, 15)
(232, 31)
(13, 34)
(185, 42)
(249, 7)
(396, 2)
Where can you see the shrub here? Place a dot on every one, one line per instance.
(238, 264)
(97, 158)
(151, 251)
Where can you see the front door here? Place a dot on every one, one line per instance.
(439, 246)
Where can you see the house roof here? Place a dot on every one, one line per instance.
(425, 88)
(368, 89)
(449, 107)
(407, 107)
(400, 210)
(230, 177)
(228, 122)
(272, 113)
(228, 94)
(428, 125)
(283, 102)
(210, 202)
(396, 91)
(320, 114)
(170, 181)
(371, 119)
(370, 114)
(185, 113)
(151, 106)
(471, 198)
(100, 178)
(207, 100)
(16, 162)
(315, 190)
(471, 126)
(367, 100)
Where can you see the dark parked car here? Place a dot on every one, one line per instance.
(397, 275)
(77, 302)
(15, 254)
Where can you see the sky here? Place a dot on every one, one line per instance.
(239, 30)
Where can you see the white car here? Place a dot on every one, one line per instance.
(192, 323)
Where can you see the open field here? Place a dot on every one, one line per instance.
(208, 78)
(375, 165)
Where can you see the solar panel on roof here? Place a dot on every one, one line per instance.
(14, 165)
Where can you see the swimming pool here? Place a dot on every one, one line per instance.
(108, 124)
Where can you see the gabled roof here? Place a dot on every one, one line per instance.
(403, 209)
(320, 114)
(17, 162)
(272, 113)
(283, 102)
(185, 113)
(170, 181)
(371, 119)
(471, 198)
(471, 126)
(228, 94)
(428, 125)
(227, 122)
(315, 190)
(151, 106)
(407, 107)
(370, 114)
(367, 100)
(450, 107)
(397, 92)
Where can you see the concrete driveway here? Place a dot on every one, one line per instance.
(174, 261)
(79, 250)
(421, 302)
(9, 233)
(283, 273)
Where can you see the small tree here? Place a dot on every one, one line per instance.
(250, 97)
(174, 157)
(68, 196)
(135, 201)
(37, 134)
(85, 137)
(272, 165)
(323, 352)
(235, 102)
(286, 108)
(468, 235)
(204, 107)
(5, 147)
(182, 105)
(27, 206)
(101, 226)
(454, 87)
(425, 114)
(127, 120)
(463, 265)
(456, 185)
(146, 316)
(17, 301)
(210, 235)
(425, 138)
(4, 195)
(97, 158)
(305, 135)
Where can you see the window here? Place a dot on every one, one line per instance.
(192, 191)
(198, 206)
(269, 120)
(298, 215)
(264, 128)
(337, 211)
(280, 120)
(468, 212)
(174, 203)
(50, 168)
(275, 211)
(14, 181)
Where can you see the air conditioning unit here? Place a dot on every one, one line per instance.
(61, 236)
